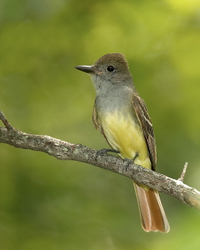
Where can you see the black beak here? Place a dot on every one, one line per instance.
(86, 68)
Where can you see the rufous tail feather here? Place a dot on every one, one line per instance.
(152, 214)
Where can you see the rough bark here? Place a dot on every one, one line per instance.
(63, 150)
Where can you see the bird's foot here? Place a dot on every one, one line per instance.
(129, 161)
(135, 157)
(105, 151)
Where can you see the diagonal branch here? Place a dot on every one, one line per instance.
(67, 151)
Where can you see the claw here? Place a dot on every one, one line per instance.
(104, 151)
(129, 161)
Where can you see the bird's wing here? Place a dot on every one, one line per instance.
(146, 125)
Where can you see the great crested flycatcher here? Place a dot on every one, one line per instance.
(122, 117)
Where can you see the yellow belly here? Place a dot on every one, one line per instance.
(125, 135)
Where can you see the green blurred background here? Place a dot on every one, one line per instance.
(51, 204)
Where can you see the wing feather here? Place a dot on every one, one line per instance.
(147, 127)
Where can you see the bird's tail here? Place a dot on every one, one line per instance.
(152, 214)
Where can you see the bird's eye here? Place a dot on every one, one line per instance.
(110, 68)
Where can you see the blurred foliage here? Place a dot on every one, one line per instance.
(50, 204)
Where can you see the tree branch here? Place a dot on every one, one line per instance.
(67, 151)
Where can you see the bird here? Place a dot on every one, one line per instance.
(122, 117)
